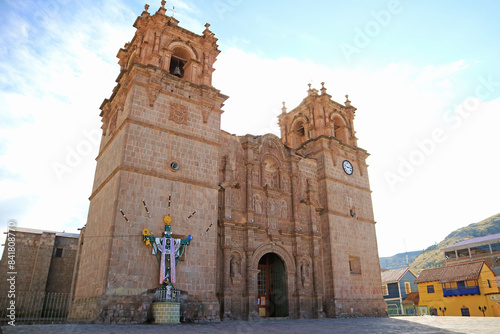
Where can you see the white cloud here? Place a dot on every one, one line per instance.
(56, 99)
(398, 106)
(50, 111)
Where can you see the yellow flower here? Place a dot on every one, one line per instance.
(146, 232)
(167, 220)
(148, 242)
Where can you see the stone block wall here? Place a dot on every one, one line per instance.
(38, 269)
(60, 274)
(166, 313)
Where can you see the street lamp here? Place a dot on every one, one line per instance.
(443, 310)
(482, 309)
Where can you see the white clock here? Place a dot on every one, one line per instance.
(347, 167)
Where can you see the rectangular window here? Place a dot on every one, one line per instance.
(59, 252)
(489, 284)
(407, 287)
(354, 265)
(430, 288)
(385, 291)
(261, 281)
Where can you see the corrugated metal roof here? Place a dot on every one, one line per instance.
(459, 272)
(393, 275)
(485, 239)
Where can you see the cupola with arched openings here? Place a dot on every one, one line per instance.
(318, 115)
(160, 42)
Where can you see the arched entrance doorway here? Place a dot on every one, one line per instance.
(272, 287)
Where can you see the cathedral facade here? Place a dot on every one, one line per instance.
(284, 227)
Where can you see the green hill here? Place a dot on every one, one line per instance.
(398, 261)
(432, 257)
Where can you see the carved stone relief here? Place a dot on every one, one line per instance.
(272, 206)
(112, 123)
(153, 93)
(178, 113)
(285, 183)
(206, 113)
(235, 266)
(284, 209)
(304, 273)
(257, 204)
(255, 176)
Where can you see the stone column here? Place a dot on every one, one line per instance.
(227, 283)
(249, 193)
(253, 309)
(294, 189)
(317, 277)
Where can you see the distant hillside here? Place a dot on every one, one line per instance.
(432, 257)
(398, 261)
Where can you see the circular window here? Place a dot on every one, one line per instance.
(174, 165)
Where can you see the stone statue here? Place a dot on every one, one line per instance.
(234, 267)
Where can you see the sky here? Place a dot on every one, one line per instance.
(423, 75)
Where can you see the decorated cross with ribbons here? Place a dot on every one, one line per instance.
(168, 249)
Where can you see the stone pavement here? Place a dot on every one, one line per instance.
(407, 325)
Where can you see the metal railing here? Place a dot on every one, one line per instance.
(466, 289)
(44, 307)
(30, 307)
(167, 294)
(393, 309)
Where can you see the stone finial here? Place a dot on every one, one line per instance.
(162, 10)
(283, 110)
(145, 12)
(323, 89)
(347, 102)
(207, 31)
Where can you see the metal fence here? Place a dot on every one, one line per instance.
(51, 307)
(393, 309)
(42, 307)
(30, 307)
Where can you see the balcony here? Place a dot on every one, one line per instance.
(460, 289)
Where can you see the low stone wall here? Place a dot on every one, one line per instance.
(113, 309)
(346, 308)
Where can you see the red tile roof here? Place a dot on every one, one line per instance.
(412, 297)
(459, 272)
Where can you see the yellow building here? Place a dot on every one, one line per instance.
(466, 289)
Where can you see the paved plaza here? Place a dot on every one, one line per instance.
(420, 325)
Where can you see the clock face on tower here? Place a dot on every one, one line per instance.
(347, 167)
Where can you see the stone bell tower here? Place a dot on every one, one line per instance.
(160, 140)
(322, 130)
